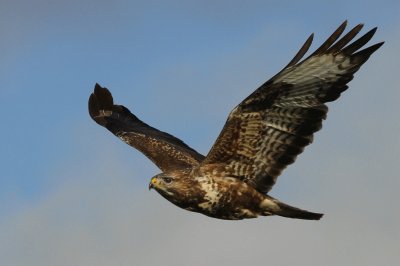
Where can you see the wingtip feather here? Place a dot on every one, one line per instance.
(104, 97)
(100, 100)
(335, 48)
(303, 50)
(331, 40)
(360, 42)
(364, 54)
(93, 106)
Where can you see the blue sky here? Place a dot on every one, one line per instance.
(182, 66)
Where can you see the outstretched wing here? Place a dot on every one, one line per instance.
(267, 131)
(166, 151)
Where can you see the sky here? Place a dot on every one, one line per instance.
(73, 194)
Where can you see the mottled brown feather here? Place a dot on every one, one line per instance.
(165, 150)
(268, 129)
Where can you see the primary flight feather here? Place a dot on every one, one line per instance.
(261, 137)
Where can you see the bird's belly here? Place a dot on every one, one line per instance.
(227, 212)
(231, 205)
(222, 198)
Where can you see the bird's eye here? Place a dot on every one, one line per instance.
(167, 179)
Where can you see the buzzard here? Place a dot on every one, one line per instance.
(261, 137)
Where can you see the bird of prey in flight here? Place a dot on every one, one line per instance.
(261, 137)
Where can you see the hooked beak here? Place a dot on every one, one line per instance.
(152, 183)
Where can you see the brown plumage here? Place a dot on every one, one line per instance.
(261, 137)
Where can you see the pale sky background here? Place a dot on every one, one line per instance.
(73, 194)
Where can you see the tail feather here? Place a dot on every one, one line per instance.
(292, 212)
(274, 206)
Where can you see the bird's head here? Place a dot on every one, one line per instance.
(161, 182)
(171, 186)
(165, 184)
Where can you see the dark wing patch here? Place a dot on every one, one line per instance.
(163, 149)
(267, 131)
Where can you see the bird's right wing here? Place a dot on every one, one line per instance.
(166, 151)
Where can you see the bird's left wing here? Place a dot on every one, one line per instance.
(267, 131)
(166, 151)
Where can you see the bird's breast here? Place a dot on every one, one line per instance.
(227, 198)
